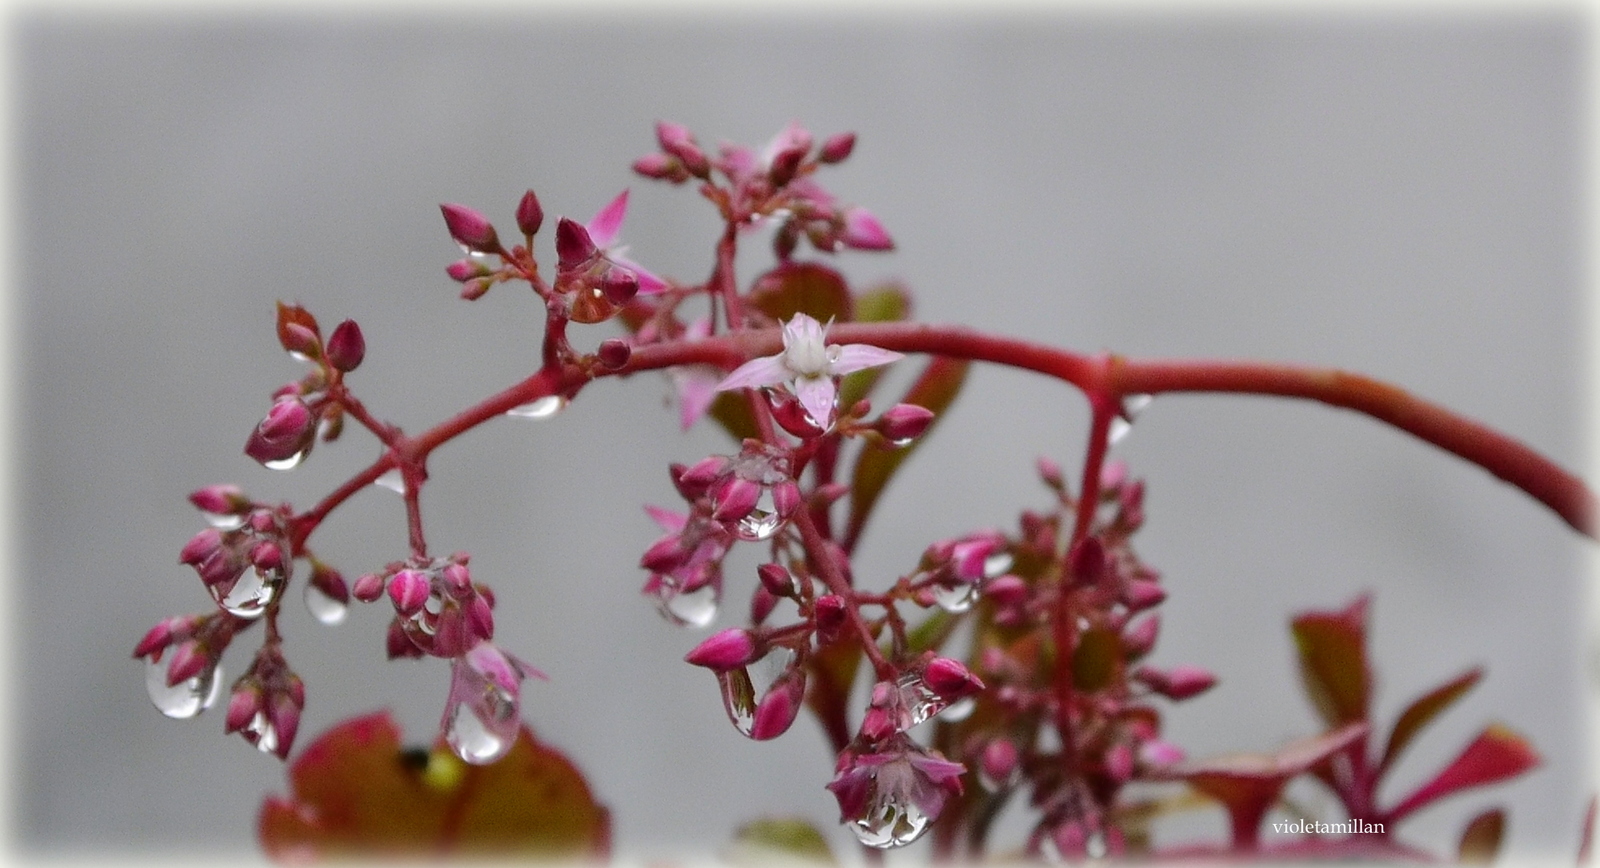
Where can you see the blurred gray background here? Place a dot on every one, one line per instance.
(1395, 194)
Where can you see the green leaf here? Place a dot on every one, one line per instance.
(1423, 710)
(935, 389)
(355, 792)
(932, 633)
(779, 839)
(1480, 840)
(802, 287)
(732, 412)
(1333, 661)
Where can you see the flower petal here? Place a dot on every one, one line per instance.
(604, 227)
(649, 284)
(817, 395)
(854, 357)
(765, 371)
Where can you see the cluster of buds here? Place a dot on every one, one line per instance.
(266, 702)
(439, 611)
(772, 185)
(244, 558)
(303, 409)
(183, 656)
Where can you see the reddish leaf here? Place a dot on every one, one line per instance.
(802, 287)
(356, 793)
(1480, 840)
(1333, 661)
(1495, 755)
(1423, 710)
(297, 330)
(935, 389)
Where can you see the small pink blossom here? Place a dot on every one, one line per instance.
(603, 231)
(810, 365)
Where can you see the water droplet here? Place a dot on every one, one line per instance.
(186, 698)
(543, 408)
(955, 599)
(745, 687)
(261, 733)
(996, 564)
(392, 480)
(1121, 424)
(890, 824)
(480, 741)
(323, 607)
(223, 521)
(251, 594)
(762, 522)
(289, 463)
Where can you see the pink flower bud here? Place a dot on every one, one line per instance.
(530, 216)
(950, 679)
(1113, 475)
(300, 340)
(474, 289)
(1119, 762)
(998, 760)
(829, 614)
(1007, 590)
(676, 140)
(661, 167)
(903, 423)
(694, 480)
(785, 164)
(480, 618)
(1160, 753)
(1087, 561)
(862, 231)
(398, 643)
(470, 229)
(777, 710)
(287, 431)
(1140, 637)
(1141, 594)
(243, 704)
(188, 660)
(836, 148)
(284, 716)
(165, 633)
(613, 353)
(1177, 683)
(457, 581)
(776, 580)
(346, 346)
(761, 605)
(287, 418)
(1050, 472)
(664, 555)
(409, 589)
(368, 588)
(463, 270)
(220, 500)
(574, 247)
(735, 498)
(619, 286)
(729, 649)
(201, 547)
(449, 634)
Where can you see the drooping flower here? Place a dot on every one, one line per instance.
(889, 793)
(484, 709)
(810, 366)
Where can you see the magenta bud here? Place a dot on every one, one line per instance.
(220, 500)
(1160, 753)
(729, 649)
(776, 580)
(480, 618)
(1087, 561)
(735, 497)
(903, 423)
(470, 229)
(346, 346)
(368, 588)
(201, 547)
(1141, 594)
(1119, 762)
(619, 286)
(463, 270)
(825, 494)
(409, 589)
(785, 164)
(188, 660)
(676, 140)
(267, 556)
(287, 419)
(777, 710)
(829, 613)
(786, 499)
(694, 480)
(1177, 683)
(613, 353)
(474, 289)
(1113, 475)
(449, 634)
(243, 704)
(530, 216)
(950, 679)
(1050, 472)
(574, 247)
(1140, 637)
(664, 555)
(661, 167)
(836, 148)
(1007, 590)
(284, 716)
(762, 602)
(297, 338)
(397, 643)
(998, 760)
(862, 231)
(457, 581)
(789, 413)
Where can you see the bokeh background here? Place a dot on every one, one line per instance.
(1399, 194)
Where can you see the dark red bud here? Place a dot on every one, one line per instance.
(614, 353)
(619, 285)
(950, 679)
(346, 346)
(836, 148)
(574, 247)
(776, 579)
(470, 229)
(1087, 560)
(530, 216)
(829, 613)
(785, 164)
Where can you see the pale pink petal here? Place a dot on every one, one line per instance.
(766, 371)
(863, 231)
(696, 386)
(666, 519)
(604, 227)
(649, 284)
(816, 394)
(854, 357)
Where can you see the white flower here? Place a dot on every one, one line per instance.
(810, 365)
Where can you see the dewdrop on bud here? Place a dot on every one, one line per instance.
(729, 649)
(613, 353)
(904, 423)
